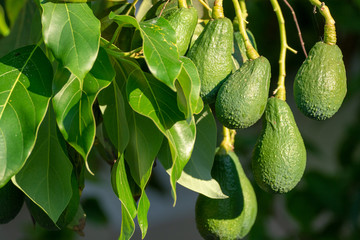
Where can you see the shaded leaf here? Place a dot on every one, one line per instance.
(159, 46)
(25, 90)
(25, 31)
(73, 102)
(72, 32)
(13, 9)
(46, 175)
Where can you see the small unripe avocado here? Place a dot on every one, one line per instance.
(233, 217)
(320, 83)
(184, 21)
(211, 54)
(279, 156)
(11, 201)
(242, 98)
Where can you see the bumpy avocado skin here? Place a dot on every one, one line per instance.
(242, 98)
(233, 217)
(184, 21)
(11, 201)
(211, 53)
(279, 156)
(320, 83)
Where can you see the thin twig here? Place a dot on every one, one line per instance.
(297, 26)
(164, 7)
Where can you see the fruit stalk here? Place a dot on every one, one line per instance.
(250, 50)
(243, 9)
(280, 91)
(218, 10)
(227, 143)
(329, 28)
(182, 4)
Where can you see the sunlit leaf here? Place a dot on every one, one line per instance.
(72, 32)
(25, 90)
(74, 99)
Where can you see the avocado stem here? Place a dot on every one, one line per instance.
(250, 50)
(243, 10)
(218, 10)
(329, 27)
(205, 5)
(227, 143)
(182, 4)
(280, 91)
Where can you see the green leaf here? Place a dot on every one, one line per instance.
(159, 46)
(46, 175)
(114, 116)
(196, 175)
(72, 32)
(154, 100)
(143, 209)
(73, 101)
(122, 190)
(189, 89)
(25, 31)
(25, 90)
(13, 9)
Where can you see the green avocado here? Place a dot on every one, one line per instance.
(211, 54)
(242, 98)
(320, 83)
(184, 21)
(279, 156)
(11, 201)
(233, 217)
(66, 216)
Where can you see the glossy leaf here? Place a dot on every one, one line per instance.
(73, 102)
(154, 100)
(143, 209)
(25, 90)
(189, 89)
(46, 175)
(122, 190)
(72, 32)
(159, 46)
(196, 175)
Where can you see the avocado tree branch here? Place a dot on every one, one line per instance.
(280, 91)
(329, 28)
(243, 9)
(205, 5)
(250, 50)
(297, 27)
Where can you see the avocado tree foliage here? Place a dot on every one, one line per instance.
(114, 76)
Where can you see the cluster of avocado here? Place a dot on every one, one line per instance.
(241, 98)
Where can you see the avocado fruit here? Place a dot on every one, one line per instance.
(242, 98)
(320, 83)
(211, 54)
(184, 21)
(279, 157)
(230, 218)
(11, 201)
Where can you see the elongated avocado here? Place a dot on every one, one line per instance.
(11, 201)
(211, 54)
(242, 98)
(184, 21)
(320, 83)
(233, 217)
(279, 156)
